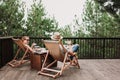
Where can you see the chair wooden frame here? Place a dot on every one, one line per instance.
(15, 62)
(55, 51)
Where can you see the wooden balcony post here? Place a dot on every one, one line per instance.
(6, 50)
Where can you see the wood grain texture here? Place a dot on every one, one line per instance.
(95, 69)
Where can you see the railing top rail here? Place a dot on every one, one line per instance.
(75, 37)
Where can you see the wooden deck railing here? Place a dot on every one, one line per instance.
(6, 50)
(89, 48)
(93, 48)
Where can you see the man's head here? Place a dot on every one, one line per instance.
(56, 36)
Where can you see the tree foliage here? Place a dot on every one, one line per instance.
(66, 31)
(12, 22)
(98, 22)
(111, 6)
(79, 29)
(11, 18)
(38, 24)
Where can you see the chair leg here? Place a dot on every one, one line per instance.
(21, 61)
(15, 63)
(45, 59)
(17, 53)
(57, 72)
(77, 63)
(12, 63)
(51, 64)
(66, 54)
(44, 62)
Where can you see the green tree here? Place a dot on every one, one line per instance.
(113, 8)
(11, 18)
(98, 22)
(79, 29)
(38, 24)
(66, 31)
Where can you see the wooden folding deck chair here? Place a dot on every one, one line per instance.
(55, 51)
(17, 62)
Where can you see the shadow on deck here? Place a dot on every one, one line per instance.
(95, 69)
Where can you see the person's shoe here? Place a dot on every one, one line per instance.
(71, 57)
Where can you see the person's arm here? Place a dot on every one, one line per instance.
(29, 48)
(33, 44)
(60, 41)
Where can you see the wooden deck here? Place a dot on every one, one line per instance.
(95, 69)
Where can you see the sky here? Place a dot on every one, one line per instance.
(63, 10)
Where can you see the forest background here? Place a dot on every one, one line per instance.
(100, 18)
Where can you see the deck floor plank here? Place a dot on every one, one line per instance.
(94, 69)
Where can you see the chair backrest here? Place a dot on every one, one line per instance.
(54, 49)
(20, 44)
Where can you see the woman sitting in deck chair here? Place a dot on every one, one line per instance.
(34, 48)
(72, 49)
(25, 40)
(23, 44)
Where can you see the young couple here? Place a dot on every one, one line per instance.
(57, 37)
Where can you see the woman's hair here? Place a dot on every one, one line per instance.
(25, 37)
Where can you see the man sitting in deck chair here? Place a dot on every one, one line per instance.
(57, 50)
(24, 46)
(71, 49)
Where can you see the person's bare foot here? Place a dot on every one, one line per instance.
(73, 64)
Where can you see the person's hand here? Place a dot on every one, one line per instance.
(68, 42)
(60, 41)
(33, 44)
